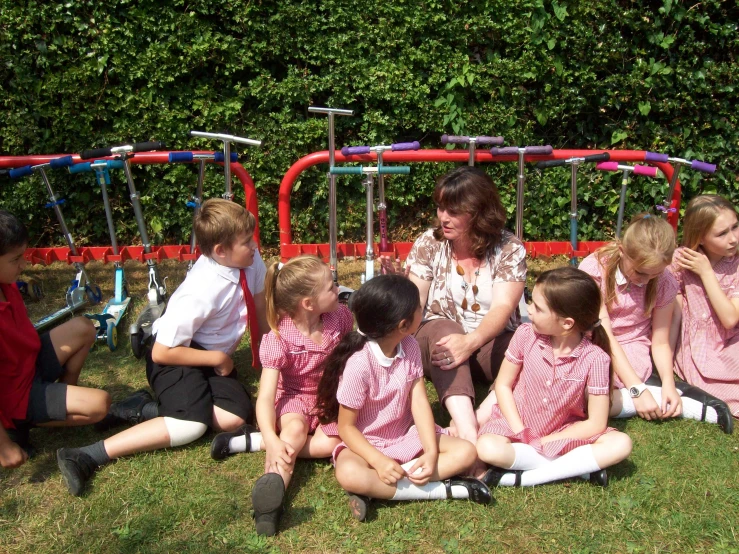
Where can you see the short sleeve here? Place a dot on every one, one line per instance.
(354, 386)
(592, 267)
(732, 290)
(185, 314)
(255, 274)
(599, 373)
(667, 289)
(420, 260)
(272, 352)
(346, 320)
(511, 266)
(517, 346)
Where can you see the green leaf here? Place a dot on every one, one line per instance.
(618, 136)
(644, 109)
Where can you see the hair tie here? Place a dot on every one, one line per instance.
(360, 332)
(596, 325)
(665, 209)
(646, 216)
(280, 266)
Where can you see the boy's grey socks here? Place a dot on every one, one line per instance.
(97, 452)
(150, 411)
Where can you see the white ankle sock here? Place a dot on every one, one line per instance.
(238, 444)
(627, 404)
(433, 490)
(692, 409)
(527, 457)
(573, 464)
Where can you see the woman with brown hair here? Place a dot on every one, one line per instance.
(470, 273)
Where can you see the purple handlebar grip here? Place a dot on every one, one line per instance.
(352, 150)
(218, 156)
(702, 166)
(454, 139)
(21, 172)
(655, 157)
(398, 146)
(489, 141)
(608, 166)
(58, 163)
(541, 150)
(180, 157)
(507, 151)
(647, 170)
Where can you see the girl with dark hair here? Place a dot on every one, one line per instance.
(372, 386)
(548, 421)
(470, 273)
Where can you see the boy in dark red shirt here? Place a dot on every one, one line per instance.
(38, 374)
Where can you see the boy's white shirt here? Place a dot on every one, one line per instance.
(209, 307)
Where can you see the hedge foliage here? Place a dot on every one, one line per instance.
(659, 76)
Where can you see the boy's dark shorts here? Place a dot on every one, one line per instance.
(189, 393)
(48, 399)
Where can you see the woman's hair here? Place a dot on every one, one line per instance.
(13, 234)
(570, 292)
(700, 215)
(649, 241)
(469, 190)
(221, 221)
(378, 306)
(285, 287)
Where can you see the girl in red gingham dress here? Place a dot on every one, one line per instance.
(637, 311)
(707, 270)
(552, 392)
(307, 322)
(373, 386)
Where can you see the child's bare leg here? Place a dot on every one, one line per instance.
(72, 342)
(85, 406)
(225, 421)
(496, 450)
(319, 445)
(485, 409)
(456, 456)
(356, 476)
(294, 431)
(611, 448)
(146, 436)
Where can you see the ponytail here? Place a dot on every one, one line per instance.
(270, 284)
(327, 405)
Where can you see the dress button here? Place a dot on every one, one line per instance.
(544, 400)
(549, 383)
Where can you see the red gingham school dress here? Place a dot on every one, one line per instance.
(298, 358)
(631, 326)
(382, 397)
(550, 394)
(707, 354)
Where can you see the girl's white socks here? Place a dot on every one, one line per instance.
(692, 409)
(433, 490)
(238, 444)
(527, 457)
(577, 462)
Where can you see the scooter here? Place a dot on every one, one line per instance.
(82, 291)
(107, 322)
(472, 143)
(678, 163)
(626, 170)
(141, 331)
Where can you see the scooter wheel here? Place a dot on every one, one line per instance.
(112, 335)
(137, 344)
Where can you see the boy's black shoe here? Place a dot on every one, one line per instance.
(219, 447)
(266, 498)
(359, 505)
(127, 411)
(476, 489)
(76, 467)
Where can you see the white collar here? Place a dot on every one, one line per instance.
(621, 279)
(230, 273)
(383, 360)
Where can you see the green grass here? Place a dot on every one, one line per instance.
(678, 492)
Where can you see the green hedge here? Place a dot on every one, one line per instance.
(610, 74)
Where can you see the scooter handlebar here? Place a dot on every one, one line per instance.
(84, 167)
(489, 141)
(608, 166)
(507, 151)
(19, 172)
(355, 150)
(58, 163)
(604, 157)
(540, 150)
(95, 153)
(218, 156)
(550, 163)
(400, 146)
(655, 157)
(346, 171)
(224, 137)
(646, 170)
(180, 157)
(148, 146)
(454, 139)
(702, 166)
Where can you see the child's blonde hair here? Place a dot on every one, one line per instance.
(649, 241)
(700, 215)
(286, 286)
(221, 221)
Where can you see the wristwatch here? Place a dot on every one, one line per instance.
(636, 390)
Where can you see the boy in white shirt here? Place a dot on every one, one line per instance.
(190, 367)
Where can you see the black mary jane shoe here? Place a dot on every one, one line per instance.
(358, 505)
(266, 497)
(477, 490)
(493, 476)
(219, 447)
(599, 478)
(724, 418)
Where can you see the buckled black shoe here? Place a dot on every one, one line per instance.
(599, 478)
(493, 476)
(76, 468)
(477, 490)
(219, 447)
(128, 410)
(724, 418)
(266, 498)
(358, 505)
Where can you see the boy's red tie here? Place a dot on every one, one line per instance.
(252, 321)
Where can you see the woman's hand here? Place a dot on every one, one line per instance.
(451, 351)
(694, 261)
(388, 470)
(279, 454)
(425, 466)
(395, 266)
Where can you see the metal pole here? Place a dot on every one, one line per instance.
(573, 211)
(57, 210)
(622, 202)
(519, 195)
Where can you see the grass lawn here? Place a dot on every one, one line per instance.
(678, 492)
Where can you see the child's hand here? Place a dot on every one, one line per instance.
(279, 454)
(12, 455)
(694, 261)
(672, 404)
(225, 365)
(389, 470)
(647, 407)
(420, 472)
